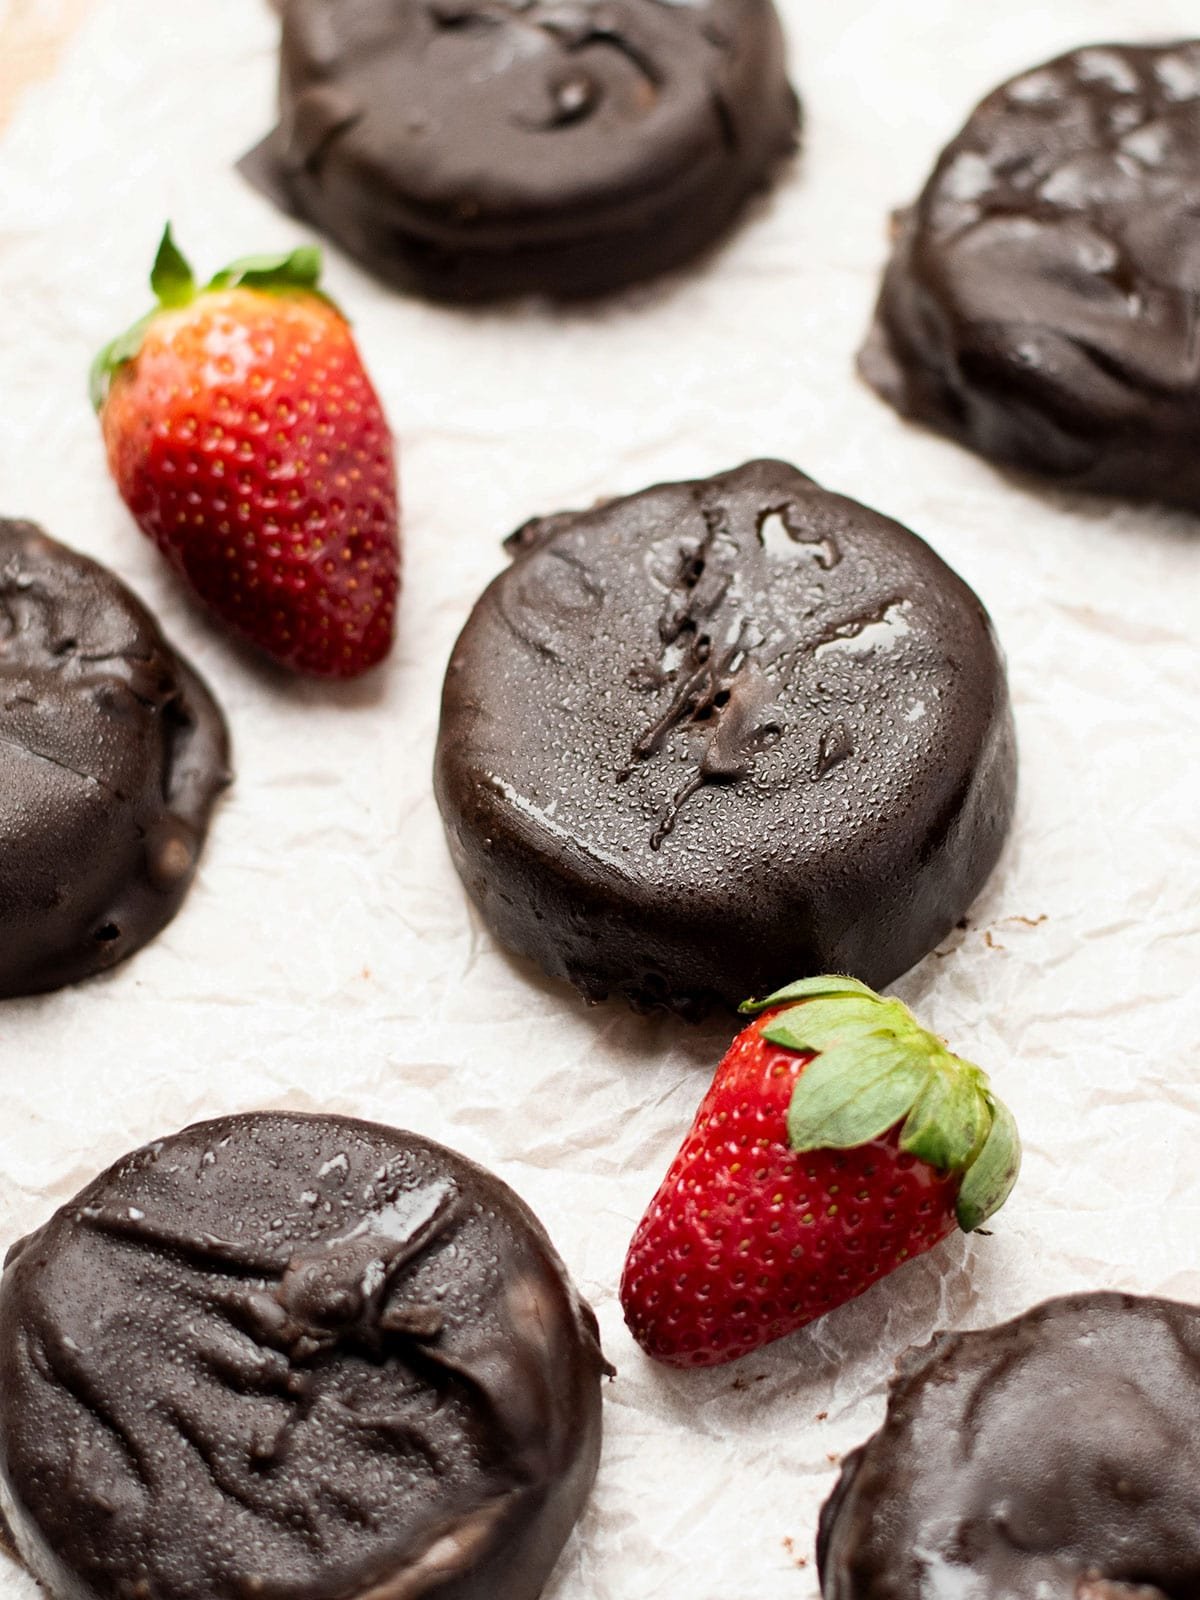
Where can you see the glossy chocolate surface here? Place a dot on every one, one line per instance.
(298, 1358)
(1041, 304)
(479, 148)
(709, 738)
(112, 753)
(1056, 1456)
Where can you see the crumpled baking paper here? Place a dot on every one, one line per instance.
(327, 958)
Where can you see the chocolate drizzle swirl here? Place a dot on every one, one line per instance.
(344, 1289)
(717, 686)
(572, 92)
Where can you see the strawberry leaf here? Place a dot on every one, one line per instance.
(293, 269)
(820, 1024)
(806, 989)
(951, 1118)
(171, 276)
(990, 1178)
(852, 1094)
(113, 357)
(174, 286)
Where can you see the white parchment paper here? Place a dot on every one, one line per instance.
(327, 958)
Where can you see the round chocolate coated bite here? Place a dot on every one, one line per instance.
(1041, 303)
(1054, 1456)
(112, 754)
(706, 739)
(473, 149)
(299, 1358)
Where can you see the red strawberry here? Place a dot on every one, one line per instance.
(245, 437)
(838, 1140)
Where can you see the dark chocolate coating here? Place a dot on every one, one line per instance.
(1056, 1457)
(1043, 302)
(471, 149)
(704, 740)
(112, 754)
(283, 1357)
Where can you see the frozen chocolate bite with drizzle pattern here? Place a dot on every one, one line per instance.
(1054, 1456)
(112, 755)
(1043, 302)
(708, 738)
(471, 149)
(294, 1358)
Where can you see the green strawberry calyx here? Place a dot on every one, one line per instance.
(174, 284)
(875, 1066)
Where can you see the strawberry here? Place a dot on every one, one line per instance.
(247, 440)
(838, 1140)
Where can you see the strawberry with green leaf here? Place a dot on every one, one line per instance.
(247, 440)
(839, 1139)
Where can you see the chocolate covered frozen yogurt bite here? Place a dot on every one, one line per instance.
(705, 738)
(299, 1358)
(112, 755)
(473, 149)
(1054, 1456)
(1041, 302)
